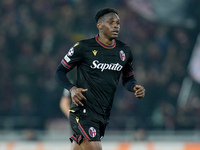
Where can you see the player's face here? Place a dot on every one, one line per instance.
(111, 26)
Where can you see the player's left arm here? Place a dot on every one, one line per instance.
(65, 105)
(128, 79)
(139, 91)
(131, 85)
(65, 102)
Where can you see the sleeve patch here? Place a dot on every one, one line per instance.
(67, 59)
(70, 52)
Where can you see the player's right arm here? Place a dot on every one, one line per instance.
(71, 59)
(61, 77)
(77, 96)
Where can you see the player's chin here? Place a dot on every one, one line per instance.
(114, 36)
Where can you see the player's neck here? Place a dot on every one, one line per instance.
(105, 40)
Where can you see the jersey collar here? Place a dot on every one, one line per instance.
(104, 45)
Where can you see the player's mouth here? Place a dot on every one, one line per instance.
(115, 32)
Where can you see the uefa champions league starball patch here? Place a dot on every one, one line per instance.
(92, 131)
(70, 52)
(122, 55)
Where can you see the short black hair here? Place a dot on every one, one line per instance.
(103, 12)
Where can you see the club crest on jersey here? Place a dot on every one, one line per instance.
(122, 55)
(92, 131)
(94, 52)
(70, 52)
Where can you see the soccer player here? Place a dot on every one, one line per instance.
(100, 62)
(65, 102)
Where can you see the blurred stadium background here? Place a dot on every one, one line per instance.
(34, 36)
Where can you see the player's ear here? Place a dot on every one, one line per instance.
(99, 26)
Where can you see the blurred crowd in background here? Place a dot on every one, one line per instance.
(36, 34)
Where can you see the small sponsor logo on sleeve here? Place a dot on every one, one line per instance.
(67, 59)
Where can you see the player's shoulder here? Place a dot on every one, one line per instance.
(87, 41)
(82, 44)
(122, 44)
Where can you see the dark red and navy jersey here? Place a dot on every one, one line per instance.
(99, 68)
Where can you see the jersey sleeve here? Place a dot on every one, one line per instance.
(73, 56)
(128, 79)
(128, 68)
(71, 59)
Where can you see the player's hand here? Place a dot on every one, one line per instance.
(139, 91)
(77, 96)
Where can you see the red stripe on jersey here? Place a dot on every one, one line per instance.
(74, 138)
(128, 75)
(65, 64)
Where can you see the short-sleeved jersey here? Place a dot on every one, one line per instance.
(99, 68)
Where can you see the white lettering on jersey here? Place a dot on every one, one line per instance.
(105, 66)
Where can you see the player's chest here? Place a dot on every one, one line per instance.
(108, 56)
(102, 59)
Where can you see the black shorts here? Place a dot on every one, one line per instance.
(85, 124)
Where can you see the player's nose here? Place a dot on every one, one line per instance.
(116, 25)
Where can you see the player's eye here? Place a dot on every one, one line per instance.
(110, 22)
